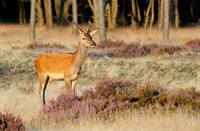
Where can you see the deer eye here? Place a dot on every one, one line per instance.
(84, 38)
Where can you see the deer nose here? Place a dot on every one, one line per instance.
(93, 44)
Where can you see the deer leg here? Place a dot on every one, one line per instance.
(67, 84)
(44, 89)
(73, 86)
(44, 83)
(42, 79)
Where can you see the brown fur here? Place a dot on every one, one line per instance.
(65, 67)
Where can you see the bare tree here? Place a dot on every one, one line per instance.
(176, 14)
(101, 21)
(150, 8)
(166, 20)
(62, 10)
(160, 14)
(48, 13)
(135, 15)
(32, 20)
(94, 6)
(112, 14)
(22, 19)
(40, 16)
(75, 17)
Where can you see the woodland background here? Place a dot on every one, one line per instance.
(118, 13)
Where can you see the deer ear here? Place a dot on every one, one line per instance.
(92, 33)
(80, 33)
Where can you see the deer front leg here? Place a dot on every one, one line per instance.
(74, 82)
(67, 84)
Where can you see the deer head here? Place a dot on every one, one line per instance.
(86, 37)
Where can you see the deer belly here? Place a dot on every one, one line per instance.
(56, 76)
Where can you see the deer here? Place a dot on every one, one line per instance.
(64, 67)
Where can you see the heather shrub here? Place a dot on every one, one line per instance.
(101, 54)
(121, 49)
(9, 122)
(110, 44)
(135, 51)
(193, 45)
(147, 95)
(110, 97)
(40, 45)
(188, 98)
(112, 90)
(164, 49)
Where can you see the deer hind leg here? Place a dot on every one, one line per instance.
(67, 84)
(44, 89)
(44, 82)
(74, 82)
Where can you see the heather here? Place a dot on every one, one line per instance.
(193, 45)
(122, 49)
(52, 47)
(9, 122)
(110, 97)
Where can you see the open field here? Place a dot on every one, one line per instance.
(18, 36)
(19, 82)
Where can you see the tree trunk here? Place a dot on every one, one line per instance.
(75, 17)
(138, 12)
(166, 20)
(94, 6)
(48, 14)
(40, 16)
(101, 22)
(95, 2)
(147, 14)
(109, 16)
(66, 13)
(114, 11)
(62, 11)
(59, 6)
(160, 14)
(176, 14)
(22, 19)
(150, 7)
(152, 14)
(133, 23)
(136, 16)
(32, 20)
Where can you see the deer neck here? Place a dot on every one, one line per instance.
(80, 55)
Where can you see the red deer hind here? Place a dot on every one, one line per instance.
(65, 67)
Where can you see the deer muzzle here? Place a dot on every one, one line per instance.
(93, 44)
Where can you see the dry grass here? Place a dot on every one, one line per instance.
(26, 105)
(147, 122)
(15, 35)
(177, 36)
(18, 88)
(136, 121)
